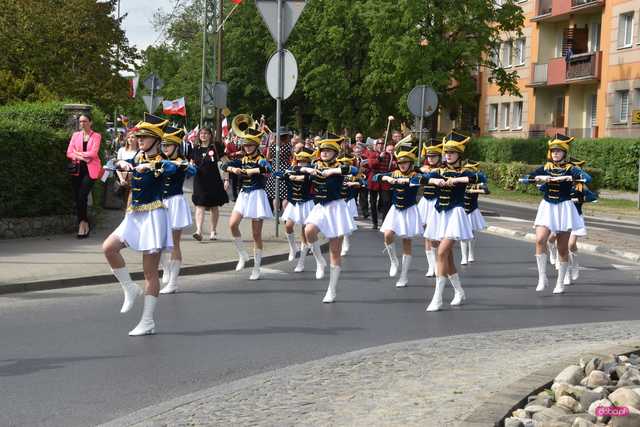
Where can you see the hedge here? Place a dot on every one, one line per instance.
(506, 175)
(617, 158)
(33, 179)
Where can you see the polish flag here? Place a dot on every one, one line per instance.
(236, 1)
(133, 86)
(176, 107)
(191, 137)
(225, 127)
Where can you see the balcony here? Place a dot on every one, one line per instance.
(556, 10)
(581, 68)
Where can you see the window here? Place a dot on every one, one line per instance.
(519, 53)
(495, 59)
(622, 106)
(517, 115)
(506, 54)
(625, 30)
(505, 116)
(493, 116)
(594, 37)
(636, 98)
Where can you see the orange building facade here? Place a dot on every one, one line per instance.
(578, 63)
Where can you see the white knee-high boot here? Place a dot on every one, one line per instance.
(553, 252)
(320, 262)
(472, 255)
(334, 275)
(173, 272)
(346, 245)
(458, 296)
(146, 326)
(562, 272)
(431, 262)
(436, 301)
(393, 258)
(130, 289)
(243, 256)
(575, 267)
(464, 249)
(304, 249)
(292, 246)
(542, 272)
(165, 259)
(257, 261)
(404, 274)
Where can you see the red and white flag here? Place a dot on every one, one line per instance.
(236, 1)
(191, 137)
(225, 127)
(133, 86)
(176, 107)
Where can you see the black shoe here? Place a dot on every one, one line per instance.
(374, 226)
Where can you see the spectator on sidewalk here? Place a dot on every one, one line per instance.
(284, 163)
(126, 152)
(209, 192)
(84, 168)
(363, 193)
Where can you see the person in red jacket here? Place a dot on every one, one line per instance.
(379, 160)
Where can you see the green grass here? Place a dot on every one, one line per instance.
(607, 207)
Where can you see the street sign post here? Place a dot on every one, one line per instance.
(216, 94)
(153, 83)
(280, 16)
(290, 74)
(422, 102)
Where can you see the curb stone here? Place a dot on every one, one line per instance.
(586, 247)
(102, 279)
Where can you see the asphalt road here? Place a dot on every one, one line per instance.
(66, 359)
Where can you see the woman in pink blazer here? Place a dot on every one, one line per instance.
(83, 152)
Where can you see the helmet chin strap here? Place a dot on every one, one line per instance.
(153, 146)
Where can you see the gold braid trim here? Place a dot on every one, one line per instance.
(146, 207)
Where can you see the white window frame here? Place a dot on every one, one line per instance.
(493, 116)
(622, 106)
(505, 114)
(517, 119)
(595, 34)
(520, 47)
(508, 61)
(625, 30)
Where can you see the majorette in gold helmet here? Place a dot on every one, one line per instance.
(433, 147)
(173, 136)
(305, 155)
(406, 149)
(251, 137)
(455, 142)
(151, 126)
(331, 142)
(561, 142)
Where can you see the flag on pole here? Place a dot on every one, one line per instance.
(176, 107)
(225, 127)
(133, 86)
(237, 1)
(191, 137)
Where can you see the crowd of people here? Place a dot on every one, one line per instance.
(321, 185)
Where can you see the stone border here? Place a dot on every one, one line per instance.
(14, 228)
(586, 247)
(103, 279)
(495, 414)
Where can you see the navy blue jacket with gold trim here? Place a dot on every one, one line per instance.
(147, 187)
(403, 196)
(173, 183)
(450, 197)
(558, 192)
(348, 192)
(297, 191)
(328, 189)
(471, 199)
(248, 183)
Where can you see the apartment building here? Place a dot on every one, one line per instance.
(578, 63)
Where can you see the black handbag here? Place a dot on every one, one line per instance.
(73, 168)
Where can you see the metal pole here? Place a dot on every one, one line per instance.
(219, 65)
(279, 111)
(638, 183)
(153, 94)
(421, 125)
(204, 62)
(115, 109)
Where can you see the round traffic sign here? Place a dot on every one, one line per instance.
(290, 74)
(422, 101)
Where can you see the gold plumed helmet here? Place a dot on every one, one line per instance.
(346, 160)
(561, 142)
(151, 126)
(305, 155)
(432, 147)
(406, 149)
(246, 129)
(173, 135)
(331, 142)
(455, 142)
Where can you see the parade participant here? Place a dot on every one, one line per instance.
(146, 226)
(403, 219)
(556, 212)
(252, 201)
(377, 161)
(359, 154)
(351, 186)
(449, 222)
(432, 153)
(473, 211)
(300, 203)
(330, 216)
(177, 206)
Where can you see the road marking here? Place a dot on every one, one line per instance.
(272, 271)
(626, 267)
(512, 219)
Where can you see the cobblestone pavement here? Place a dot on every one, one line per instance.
(433, 382)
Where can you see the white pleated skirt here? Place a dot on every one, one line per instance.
(253, 204)
(425, 207)
(452, 224)
(405, 223)
(558, 217)
(147, 231)
(178, 212)
(332, 219)
(353, 208)
(477, 220)
(580, 232)
(298, 213)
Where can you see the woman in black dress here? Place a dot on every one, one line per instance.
(208, 190)
(285, 154)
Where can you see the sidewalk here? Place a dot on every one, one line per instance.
(62, 260)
